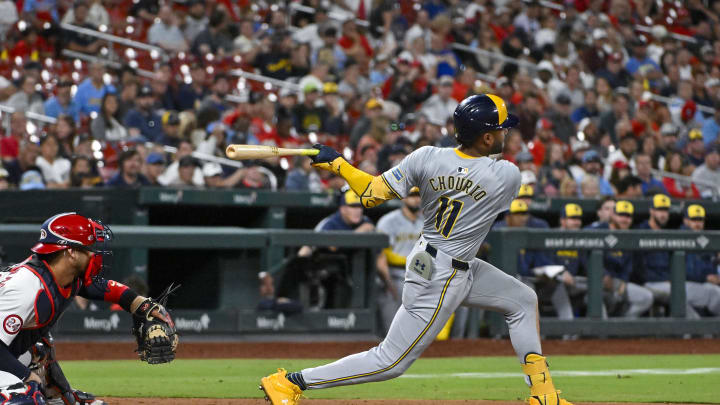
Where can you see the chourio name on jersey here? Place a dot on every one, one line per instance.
(467, 186)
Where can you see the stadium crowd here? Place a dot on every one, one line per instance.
(375, 79)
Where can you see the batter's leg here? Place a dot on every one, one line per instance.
(495, 290)
(427, 305)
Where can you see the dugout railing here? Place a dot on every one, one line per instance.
(505, 246)
(237, 255)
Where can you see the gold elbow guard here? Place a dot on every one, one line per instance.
(376, 193)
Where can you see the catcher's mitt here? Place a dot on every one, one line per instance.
(157, 338)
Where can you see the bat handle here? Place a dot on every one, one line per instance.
(310, 152)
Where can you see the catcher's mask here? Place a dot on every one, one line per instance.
(70, 230)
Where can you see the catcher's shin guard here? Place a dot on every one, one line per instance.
(542, 390)
(279, 390)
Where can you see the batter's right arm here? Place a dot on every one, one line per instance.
(372, 190)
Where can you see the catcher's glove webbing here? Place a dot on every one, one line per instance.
(157, 338)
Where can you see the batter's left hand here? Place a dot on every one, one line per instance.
(326, 155)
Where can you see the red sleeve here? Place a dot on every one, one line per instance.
(345, 42)
(366, 45)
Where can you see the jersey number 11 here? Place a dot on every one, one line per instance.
(445, 223)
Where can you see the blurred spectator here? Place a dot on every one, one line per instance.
(592, 165)
(614, 73)
(186, 169)
(142, 121)
(25, 161)
(91, 91)
(544, 137)
(373, 111)
(8, 17)
(170, 129)
(703, 282)
(213, 39)
(678, 188)
(650, 185)
(62, 102)
(81, 173)
(307, 116)
(440, 106)
(196, 20)
(96, 13)
(10, 143)
(626, 153)
(695, 147)
(619, 112)
(190, 95)
(407, 86)
(590, 186)
(55, 169)
(215, 100)
(619, 291)
(82, 42)
(355, 44)
(154, 167)
(353, 83)
(303, 177)
(630, 187)
(45, 10)
(589, 109)
(709, 173)
(165, 32)
(568, 188)
(171, 175)
(64, 131)
(145, 9)
(106, 127)
(711, 127)
(26, 99)
(268, 300)
(4, 183)
(329, 52)
(129, 176)
(604, 211)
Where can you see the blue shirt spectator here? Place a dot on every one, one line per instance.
(142, 121)
(711, 128)
(90, 93)
(62, 103)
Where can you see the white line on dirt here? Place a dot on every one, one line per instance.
(579, 373)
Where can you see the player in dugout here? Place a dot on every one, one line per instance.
(67, 261)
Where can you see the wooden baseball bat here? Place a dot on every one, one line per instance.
(245, 152)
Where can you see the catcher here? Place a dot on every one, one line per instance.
(67, 261)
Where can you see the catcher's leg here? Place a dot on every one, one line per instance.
(14, 392)
(493, 289)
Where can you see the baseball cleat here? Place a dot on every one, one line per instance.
(279, 390)
(547, 400)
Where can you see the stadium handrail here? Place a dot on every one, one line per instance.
(665, 100)
(113, 38)
(28, 114)
(332, 14)
(715, 189)
(107, 62)
(260, 78)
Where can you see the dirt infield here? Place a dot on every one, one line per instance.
(475, 347)
(206, 401)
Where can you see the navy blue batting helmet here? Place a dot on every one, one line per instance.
(479, 114)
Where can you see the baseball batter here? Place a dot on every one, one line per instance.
(462, 191)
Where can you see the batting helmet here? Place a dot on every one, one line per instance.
(479, 114)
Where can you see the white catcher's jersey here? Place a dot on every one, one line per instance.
(18, 289)
(402, 232)
(461, 195)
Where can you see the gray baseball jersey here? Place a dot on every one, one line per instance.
(402, 232)
(461, 195)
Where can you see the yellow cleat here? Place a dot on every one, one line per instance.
(552, 399)
(279, 390)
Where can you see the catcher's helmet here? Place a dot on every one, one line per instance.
(479, 114)
(70, 230)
